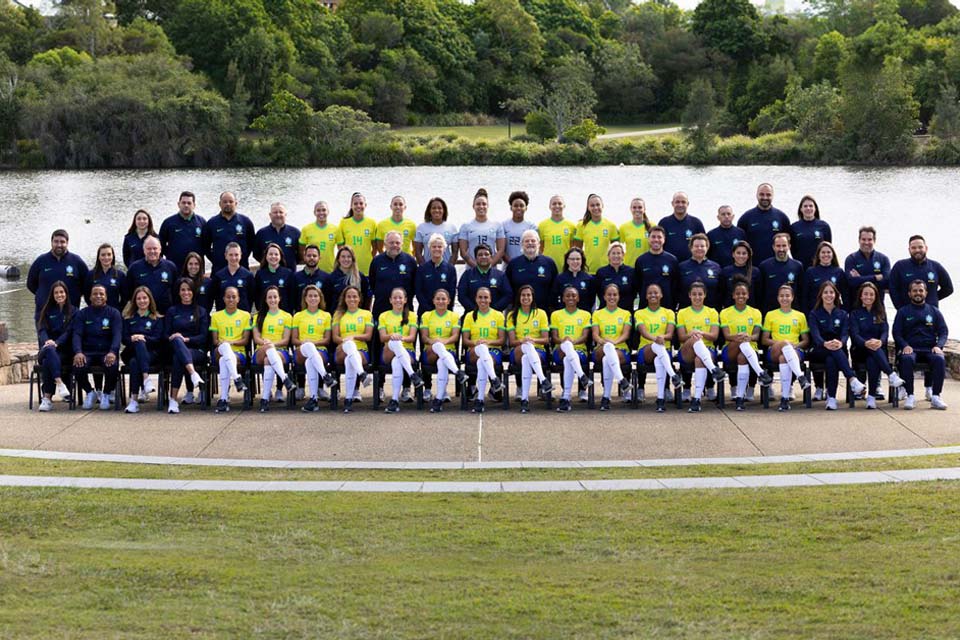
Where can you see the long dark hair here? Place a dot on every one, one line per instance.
(837, 301)
(198, 280)
(516, 303)
(50, 303)
(283, 260)
(879, 313)
(133, 223)
(352, 196)
(583, 259)
(97, 268)
(749, 265)
(342, 302)
(405, 312)
(834, 262)
(586, 216)
(477, 308)
(262, 309)
(195, 310)
(303, 297)
(816, 207)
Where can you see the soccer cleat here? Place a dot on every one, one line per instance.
(436, 406)
(676, 380)
(857, 387)
(937, 403)
(831, 404)
(239, 384)
(63, 392)
(895, 381)
(819, 395)
(765, 379)
(323, 394)
(496, 385)
(641, 395)
(405, 395)
(524, 406)
(784, 404)
(604, 404)
(365, 379)
(311, 406)
(416, 380)
(583, 396)
(910, 402)
(329, 381)
(264, 405)
(188, 398)
(290, 384)
(719, 374)
(741, 406)
(478, 406)
(132, 407)
(45, 405)
(564, 406)
(392, 407)
(278, 395)
(661, 405)
(104, 402)
(90, 400)
(347, 405)
(627, 397)
(498, 394)
(222, 406)
(804, 381)
(625, 387)
(585, 381)
(461, 377)
(695, 406)
(871, 402)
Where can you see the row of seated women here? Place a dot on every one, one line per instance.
(185, 337)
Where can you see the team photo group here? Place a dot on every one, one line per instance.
(347, 300)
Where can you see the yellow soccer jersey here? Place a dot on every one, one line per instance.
(485, 327)
(703, 320)
(230, 326)
(571, 325)
(556, 238)
(655, 322)
(785, 326)
(634, 238)
(355, 324)
(359, 236)
(745, 321)
(441, 326)
(407, 228)
(312, 326)
(326, 239)
(529, 325)
(391, 322)
(596, 238)
(611, 323)
(274, 325)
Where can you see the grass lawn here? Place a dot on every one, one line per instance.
(831, 562)
(500, 131)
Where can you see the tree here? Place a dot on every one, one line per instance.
(698, 116)
(569, 97)
(761, 84)
(624, 82)
(815, 112)
(509, 50)
(879, 113)
(829, 57)
(539, 125)
(945, 123)
(84, 24)
(730, 26)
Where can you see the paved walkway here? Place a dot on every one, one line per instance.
(497, 436)
(633, 134)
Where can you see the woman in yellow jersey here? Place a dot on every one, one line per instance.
(230, 334)
(359, 232)
(556, 232)
(785, 334)
(570, 331)
(741, 325)
(271, 337)
(396, 222)
(352, 330)
(398, 334)
(528, 332)
(311, 338)
(611, 330)
(323, 235)
(656, 325)
(484, 334)
(595, 233)
(698, 327)
(634, 232)
(439, 337)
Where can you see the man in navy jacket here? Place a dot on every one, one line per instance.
(226, 227)
(484, 275)
(182, 232)
(154, 273)
(390, 270)
(918, 267)
(280, 233)
(57, 264)
(533, 268)
(762, 223)
(867, 265)
(920, 333)
(778, 270)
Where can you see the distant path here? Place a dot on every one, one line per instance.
(631, 134)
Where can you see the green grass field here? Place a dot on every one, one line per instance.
(830, 562)
(500, 131)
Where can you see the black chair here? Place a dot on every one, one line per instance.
(36, 384)
(213, 379)
(160, 370)
(922, 368)
(470, 368)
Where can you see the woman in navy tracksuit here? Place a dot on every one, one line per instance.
(186, 327)
(142, 337)
(53, 335)
(868, 336)
(828, 333)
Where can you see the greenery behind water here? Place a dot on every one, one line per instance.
(160, 83)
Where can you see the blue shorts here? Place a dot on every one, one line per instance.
(800, 354)
(386, 350)
(641, 357)
(496, 354)
(712, 350)
(558, 357)
(241, 358)
(541, 352)
(423, 356)
(283, 353)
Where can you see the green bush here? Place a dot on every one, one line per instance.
(540, 126)
(584, 132)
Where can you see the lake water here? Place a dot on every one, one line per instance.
(98, 206)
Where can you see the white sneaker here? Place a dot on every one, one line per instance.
(686, 395)
(45, 405)
(427, 396)
(91, 399)
(895, 381)
(928, 393)
(583, 396)
(132, 407)
(149, 386)
(831, 404)
(357, 397)
(63, 392)
(104, 402)
(142, 396)
(871, 402)
(112, 397)
(937, 403)
(749, 395)
(278, 395)
(857, 387)
(793, 396)
(641, 396)
(322, 393)
(901, 394)
(405, 395)
(909, 403)
(299, 394)
(196, 379)
(711, 394)
(818, 395)
(173, 406)
(188, 398)
(627, 397)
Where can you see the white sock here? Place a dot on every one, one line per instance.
(526, 377)
(353, 366)
(568, 374)
(743, 376)
(790, 355)
(786, 380)
(608, 376)
(699, 381)
(269, 376)
(485, 360)
(225, 382)
(228, 359)
(445, 359)
(610, 357)
(704, 354)
(530, 353)
(663, 357)
(276, 362)
(748, 352)
(314, 365)
(313, 378)
(396, 377)
(400, 353)
(571, 357)
(661, 377)
(443, 376)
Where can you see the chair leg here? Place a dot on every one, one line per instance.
(808, 392)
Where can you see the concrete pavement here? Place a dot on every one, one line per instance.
(621, 434)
